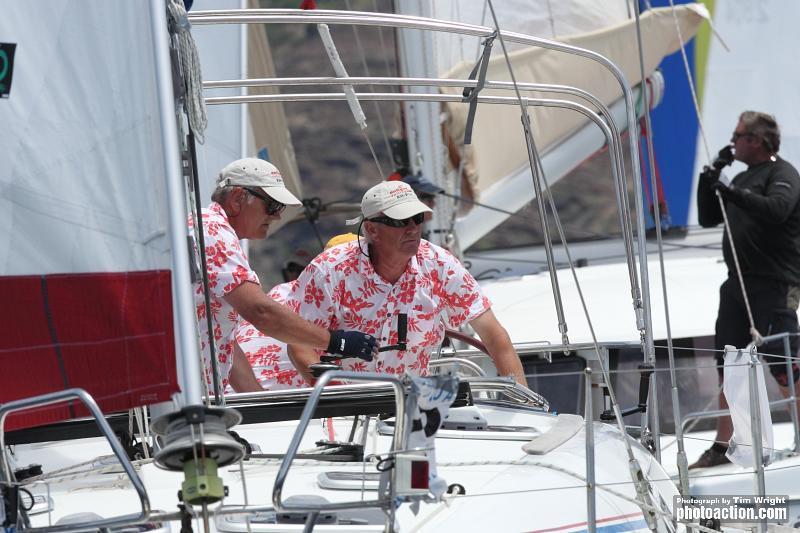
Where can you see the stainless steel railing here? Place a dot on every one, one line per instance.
(398, 443)
(108, 433)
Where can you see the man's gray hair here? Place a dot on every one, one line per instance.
(221, 194)
(765, 127)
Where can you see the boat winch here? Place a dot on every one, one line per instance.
(196, 441)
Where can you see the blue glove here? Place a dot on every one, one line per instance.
(352, 344)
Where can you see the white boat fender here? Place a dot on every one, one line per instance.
(565, 428)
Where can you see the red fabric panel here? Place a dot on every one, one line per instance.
(108, 333)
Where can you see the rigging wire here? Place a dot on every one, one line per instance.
(462, 155)
(651, 357)
(551, 18)
(635, 468)
(533, 157)
(352, 99)
(244, 492)
(754, 333)
(196, 213)
(381, 174)
(384, 55)
(363, 57)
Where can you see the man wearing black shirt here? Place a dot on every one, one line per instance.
(764, 217)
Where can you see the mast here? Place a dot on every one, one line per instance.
(187, 347)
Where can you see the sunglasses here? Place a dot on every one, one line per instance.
(274, 207)
(395, 223)
(736, 136)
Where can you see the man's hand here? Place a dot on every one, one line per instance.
(731, 193)
(708, 177)
(353, 344)
(723, 189)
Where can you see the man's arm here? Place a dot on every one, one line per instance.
(302, 357)
(242, 378)
(279, 322)
(498, 343)
(273, 319)
(776, 203)
(708, 212)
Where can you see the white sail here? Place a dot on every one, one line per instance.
(496, 163)
(85, 247)
(543, 18)
(81, 184)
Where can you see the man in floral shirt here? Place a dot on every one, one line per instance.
(268, 357)
(249, 196)
(368, 285)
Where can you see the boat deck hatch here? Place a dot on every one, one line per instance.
(349, 480)
(465, 418)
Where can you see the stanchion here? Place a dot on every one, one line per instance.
(591, 512)
(755, 430)
(787, 351)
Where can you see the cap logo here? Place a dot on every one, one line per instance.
(398, 194)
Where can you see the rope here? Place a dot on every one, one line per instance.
(384, 55)
(363, 57)
(689, 78)
(754, 334)
(244, 490)
(190, 68)
(69, 474)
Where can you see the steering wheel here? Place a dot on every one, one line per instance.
(467, 339)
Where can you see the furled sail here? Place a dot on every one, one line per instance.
(85, 252)
(499, 150)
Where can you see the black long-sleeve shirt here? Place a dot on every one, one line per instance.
(764, 216)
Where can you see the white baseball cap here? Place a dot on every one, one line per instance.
(252, 172)
(395, 199)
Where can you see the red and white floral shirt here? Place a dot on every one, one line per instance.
(341, 290)
(227, 269)
(268, 356)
